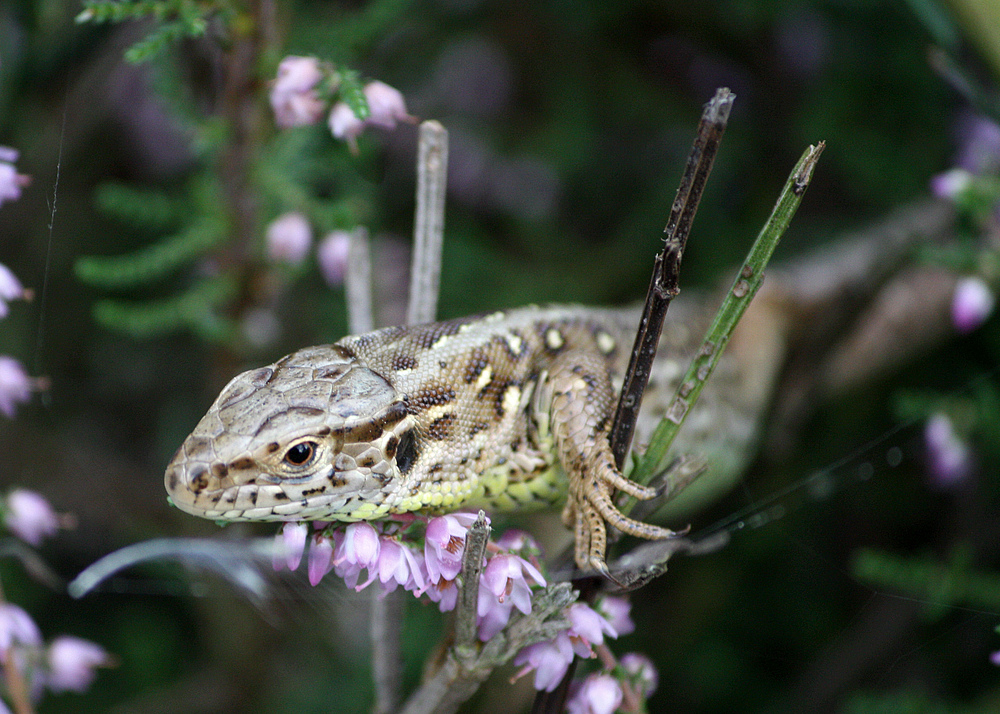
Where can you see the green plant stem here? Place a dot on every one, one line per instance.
(734, 305)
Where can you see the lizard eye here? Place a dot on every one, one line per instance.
(301, 453)
(406, 452)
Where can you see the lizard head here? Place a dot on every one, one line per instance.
(315, 436)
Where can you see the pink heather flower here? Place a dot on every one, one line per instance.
(289, 544)
(72, 662)
(320, 557)
(549, 660)
(517, 541)
(445, 544)
(386, 105)
(587, 628)
(503, 586)
(508, 576)
(11, 182)
(641, 671)
(16, 628)
(30, 517)
(344, 124)
(971, 305)
(293, 93)
(444, 593)
(10, 289)
(397, 565)
(289, 238)
(616, 610)
(15, 385)
(358, 550)
(599, 694)
(950, 184)
(332, 257)
(493, 614)
(979, 144)
(949, 458)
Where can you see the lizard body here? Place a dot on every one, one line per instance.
(503, 411)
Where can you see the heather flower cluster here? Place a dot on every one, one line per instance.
(973, 187)
(15, 384)
(66, 663)
(301, 94)
(289, 239)
(305, 87)
(387, 553)
(363, 553)
(11, 182)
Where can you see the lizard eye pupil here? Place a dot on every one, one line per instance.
(406, 452)
(300, 453)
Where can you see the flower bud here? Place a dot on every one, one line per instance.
(289, 238)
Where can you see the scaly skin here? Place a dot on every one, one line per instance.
(504, 411)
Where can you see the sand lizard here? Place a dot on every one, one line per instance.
(502, 411)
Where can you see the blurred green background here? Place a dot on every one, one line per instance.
(569, 125)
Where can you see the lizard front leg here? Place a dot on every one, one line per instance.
(582, 409)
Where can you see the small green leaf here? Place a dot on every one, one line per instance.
(352, 91)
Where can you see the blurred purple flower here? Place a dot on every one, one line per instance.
(30, 517)
(979, 144)
(971, 304)
(293, 93)
(518, 541)
(289, 544)
(950, 184)
(15, 385)
(320, 557)
(598, 694)
(641, 671)
(587, 628)
(386, 107)
(288, 238)
(332, 257)
(493, 615)
(345, 125)
(445, 544)
(617, 612)
(11, 182)
(995, 658)
(16, 628)
(949, 458)
(10, 289)
(357, 551)
(71, 663)
(549, 660)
